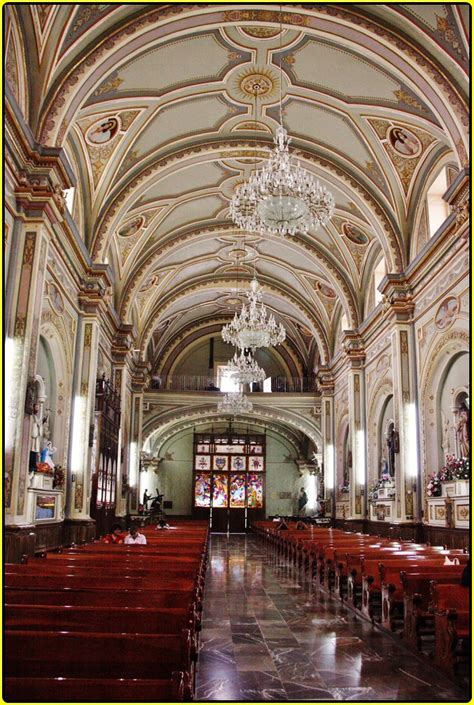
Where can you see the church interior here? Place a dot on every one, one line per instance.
(236, 266)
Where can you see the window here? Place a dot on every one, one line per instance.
(379, 274)
(438, 209)
(226, 380)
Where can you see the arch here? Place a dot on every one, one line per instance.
(438, 359)
(387, 47)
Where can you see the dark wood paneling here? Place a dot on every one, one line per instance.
(76, 531)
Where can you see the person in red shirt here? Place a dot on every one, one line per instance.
(116, 535)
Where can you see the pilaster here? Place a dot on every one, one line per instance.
(354, 349)
(405, 395)
(326, 385)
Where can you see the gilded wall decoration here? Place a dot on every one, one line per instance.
(55, 298)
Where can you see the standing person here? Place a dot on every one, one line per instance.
(302, 501)
(134, 537)
(116, 535)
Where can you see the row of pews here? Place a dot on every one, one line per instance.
(402, 586)
(104, 622)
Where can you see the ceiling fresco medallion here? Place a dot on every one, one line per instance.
(255, 82)
(131, 227)
(325, 290)
(447, 313)
(103, 131)
(354, 234)
(404, 142)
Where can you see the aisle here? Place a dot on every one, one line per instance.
(265, 637)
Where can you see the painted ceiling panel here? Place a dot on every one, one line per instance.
(341, 73)
(188, 118)
(191, 212)
(194, 178)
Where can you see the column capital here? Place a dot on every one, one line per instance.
(39, 192)
(122, 343)
(354, 348)
(140, 372)
(95, 289)
(325, 381)
(457, 196)
(398, 296)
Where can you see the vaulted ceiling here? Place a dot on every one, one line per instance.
(164, 109)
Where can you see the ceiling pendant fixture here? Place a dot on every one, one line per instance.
(282, 198)
(253, 327)
(244, 369)
(234, 403)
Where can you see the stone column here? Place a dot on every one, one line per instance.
(120, 353)
(25, 283)
(139, 379)
(405, 400)
(326, 384)
(78, 525)
(357, 426)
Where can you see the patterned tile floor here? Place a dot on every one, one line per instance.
(267, 636)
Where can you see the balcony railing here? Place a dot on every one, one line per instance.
(202, 383)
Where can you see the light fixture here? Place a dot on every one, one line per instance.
(244, 369)
(282, 198)
(234, 403)
(253, 327)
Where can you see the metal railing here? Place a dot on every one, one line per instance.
(203, 383)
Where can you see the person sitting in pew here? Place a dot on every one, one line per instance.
(134, 537)
(163, 524)
(466, 575)
(116, 535)
(282, 526)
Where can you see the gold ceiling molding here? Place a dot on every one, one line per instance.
(394, 252)
(56, 114)
(185, 290)
(162, 249)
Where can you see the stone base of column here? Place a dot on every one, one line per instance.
(78, 531)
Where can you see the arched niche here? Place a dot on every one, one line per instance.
(380, 414)
(448, 361)
(451, 400)
(386, 459)
(343, 456)
(54, 366)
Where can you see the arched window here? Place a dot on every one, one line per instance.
(438, 209)
(379, 273)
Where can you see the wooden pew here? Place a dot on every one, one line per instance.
(418, 618)
(451, 608)
(97, 655)
(78, 690)
(70, 582)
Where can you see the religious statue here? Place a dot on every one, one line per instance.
(445, 443)
(146, 499)
(383, 467)
(47, 453)
(393, 447)
(37, 428)
(462, 430)
(302, 500)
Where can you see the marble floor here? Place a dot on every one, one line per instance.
(267, 636)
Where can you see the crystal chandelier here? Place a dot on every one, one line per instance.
(245, 370)
(253, 327)
(282, 198)
(234, 403)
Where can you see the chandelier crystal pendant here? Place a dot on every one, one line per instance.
(282, 198)
(253, 327)
(234, 403)
(245, 370)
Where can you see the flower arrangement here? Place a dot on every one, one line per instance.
(433, 487)
(44, 468)
(59, 477)
(345, 488)
(455, 469)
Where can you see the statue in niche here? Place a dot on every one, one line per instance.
(445, 442)
(47, 454)
(393, 447)
(462, 430)
(384, 467)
